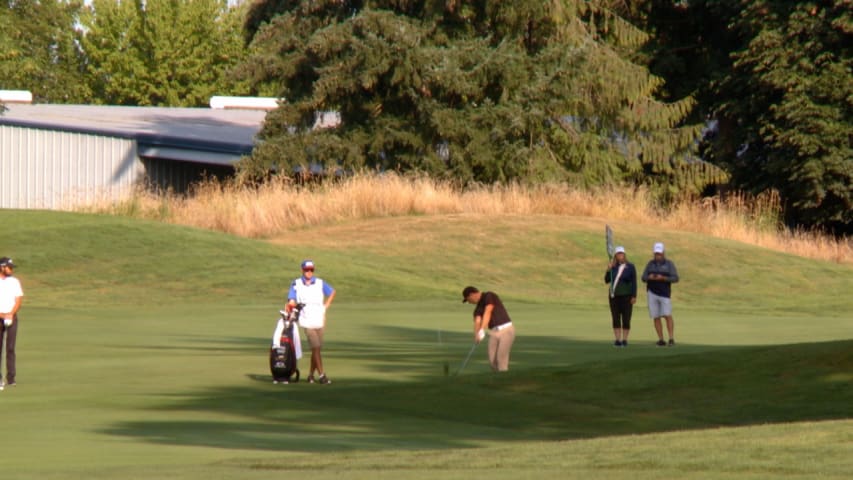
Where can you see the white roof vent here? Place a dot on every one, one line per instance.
(243, 103)
(16, 96)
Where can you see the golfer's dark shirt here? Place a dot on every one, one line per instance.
(499, 313)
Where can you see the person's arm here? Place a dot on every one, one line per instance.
(291, 298)
(330, 298)
(673, 273)
(10, 316)
(484, 322)
(607, 274)
(645, 276)
(17, 306)
(632, 277)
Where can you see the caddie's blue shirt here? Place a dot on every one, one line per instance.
(327, 289)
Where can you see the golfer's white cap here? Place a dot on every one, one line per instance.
(658, 248)
(619, 249)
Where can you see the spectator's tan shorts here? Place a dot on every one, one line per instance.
(315, 337)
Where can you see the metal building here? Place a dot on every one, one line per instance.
(59, 156)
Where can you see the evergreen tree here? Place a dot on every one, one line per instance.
(39, 50)
(775, 77)
(162, 52)
(785, 108)
(471, 90)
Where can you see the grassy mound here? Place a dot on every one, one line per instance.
(142, 353)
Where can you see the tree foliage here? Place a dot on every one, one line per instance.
(161, 52)
(39, 50)
(776, 76)
(786, 108)
(470, 90)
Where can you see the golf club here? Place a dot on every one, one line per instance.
(467, 358)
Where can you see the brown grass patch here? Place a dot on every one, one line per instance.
(278, 206)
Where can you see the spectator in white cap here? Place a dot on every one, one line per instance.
(316, 296)
(11, 296)
(659, 275)
(622, 277)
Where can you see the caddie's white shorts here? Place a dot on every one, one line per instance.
(659, 306)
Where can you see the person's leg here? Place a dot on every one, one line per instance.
(494, 342)
(666, 312)
(316, 353)
(316, 342)
(2, 348)
(670, 327)
(615, 320)
(317, 361)
(506, 339)
(11, 338)
(656, 314)
(627, 312)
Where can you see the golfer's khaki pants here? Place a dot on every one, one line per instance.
(500, 344)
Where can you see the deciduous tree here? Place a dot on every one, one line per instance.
(162, 52)
(39, 50)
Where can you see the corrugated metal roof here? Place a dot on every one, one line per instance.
(228, 132)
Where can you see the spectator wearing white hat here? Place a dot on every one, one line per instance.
(659, 275)
(11, 296)
(622, 277)
(315, 295)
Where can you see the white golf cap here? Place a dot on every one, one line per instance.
(619, 249)
(658, 248)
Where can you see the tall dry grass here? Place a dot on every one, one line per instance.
(275, 207)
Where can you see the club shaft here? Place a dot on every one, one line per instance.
(468, 357)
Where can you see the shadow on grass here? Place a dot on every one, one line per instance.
(646, 390)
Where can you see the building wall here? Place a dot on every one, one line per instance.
(177, 176)
(53, 169)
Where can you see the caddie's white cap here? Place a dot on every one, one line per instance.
(658, 248)
(619, 249)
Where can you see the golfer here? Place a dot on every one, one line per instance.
(622, 277)
(490, 314)
(11, 295)
(659, 275)
(316, 296)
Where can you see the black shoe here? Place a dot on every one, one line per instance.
(617, 343)
(661, 343)
(671, 342)
(624, 343)
(324, 380)
(311, 379)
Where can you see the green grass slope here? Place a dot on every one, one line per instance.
(142, 354)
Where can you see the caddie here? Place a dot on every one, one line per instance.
(316, 295)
